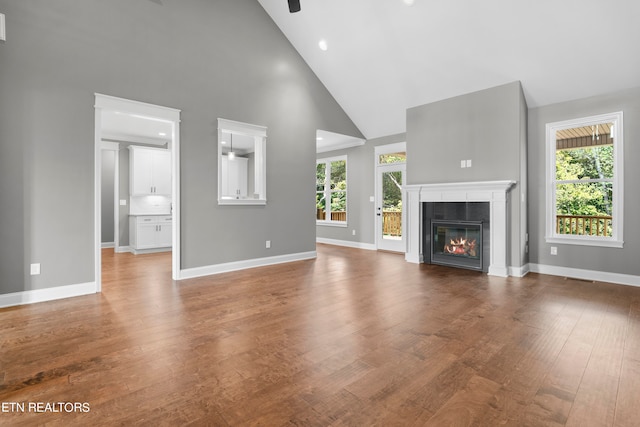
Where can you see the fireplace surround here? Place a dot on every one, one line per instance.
(494, 192)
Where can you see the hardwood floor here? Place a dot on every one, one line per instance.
(353, 337)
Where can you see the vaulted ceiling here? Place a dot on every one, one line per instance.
(384, 56)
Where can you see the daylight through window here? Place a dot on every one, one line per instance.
(585, 161)
(331, 191)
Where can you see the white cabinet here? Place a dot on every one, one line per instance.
(149, 171)
(149, 232)
(235, 171)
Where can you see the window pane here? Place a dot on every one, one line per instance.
(392, 191)
(584, 209)
(339, 175)
(585, 163)
(320, 174)
(385, 159)
(338, 205)
(321, 210)
(592, 198)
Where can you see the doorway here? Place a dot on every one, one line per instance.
(390, 176)
(151, 114)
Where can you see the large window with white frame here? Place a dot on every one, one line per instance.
(585, 181)
(331, 191)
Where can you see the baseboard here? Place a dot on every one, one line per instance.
(149, 251)
(123, 249)
(48, 294)
(190, 273)
(106, 245)
(347, 243)
(577, 273)
(519, 271)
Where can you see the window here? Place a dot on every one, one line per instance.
(242, 177)
(584, 181)
(331, 191)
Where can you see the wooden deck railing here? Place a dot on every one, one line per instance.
(584, 225)
(391, 223)
(339, 216)
(335, 216)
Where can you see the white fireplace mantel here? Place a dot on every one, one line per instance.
(494, 192)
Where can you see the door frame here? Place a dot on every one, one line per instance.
(150, 111)
(378, 169)
(115, 147)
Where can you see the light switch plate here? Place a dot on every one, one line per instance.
(123, 202)
(35, 269)
(468, 163)
(3, 28)
(463, 163)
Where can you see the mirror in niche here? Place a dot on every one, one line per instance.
(241, 163)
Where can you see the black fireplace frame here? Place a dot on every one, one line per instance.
(451, 260)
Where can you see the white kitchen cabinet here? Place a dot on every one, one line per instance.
(149, 171)
(235, 171)
(150, 232)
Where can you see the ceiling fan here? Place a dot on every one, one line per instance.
(294, 6)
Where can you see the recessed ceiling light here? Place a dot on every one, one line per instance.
(162, 134)
(319, 138)
(408, 2)
(322, 44)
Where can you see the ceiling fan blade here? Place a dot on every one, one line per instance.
(294, 6)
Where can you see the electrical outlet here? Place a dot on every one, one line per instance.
(35, 269)
(463, 163)
(123, 202)
(468, 163)
(268, 244)
(353, 232)
(554, 250)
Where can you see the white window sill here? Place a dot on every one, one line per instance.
(606, 242)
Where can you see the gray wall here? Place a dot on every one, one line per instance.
(360, 186)
(613, 260)
(209, 59)
(486, 127)
(107, 193)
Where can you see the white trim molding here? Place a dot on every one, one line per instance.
(494, 192)
(578, 273)
(190, 273)
(151, 112)
(47, 294)
(346, 243)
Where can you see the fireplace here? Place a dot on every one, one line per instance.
(457, 243)
(496, 230)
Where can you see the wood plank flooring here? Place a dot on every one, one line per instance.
(352, 338)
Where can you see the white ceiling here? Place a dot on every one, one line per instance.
(328, 141)
(120, 126)
(384, 56)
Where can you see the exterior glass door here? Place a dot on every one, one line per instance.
(389, 218)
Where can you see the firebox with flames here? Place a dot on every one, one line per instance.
(461, 246)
